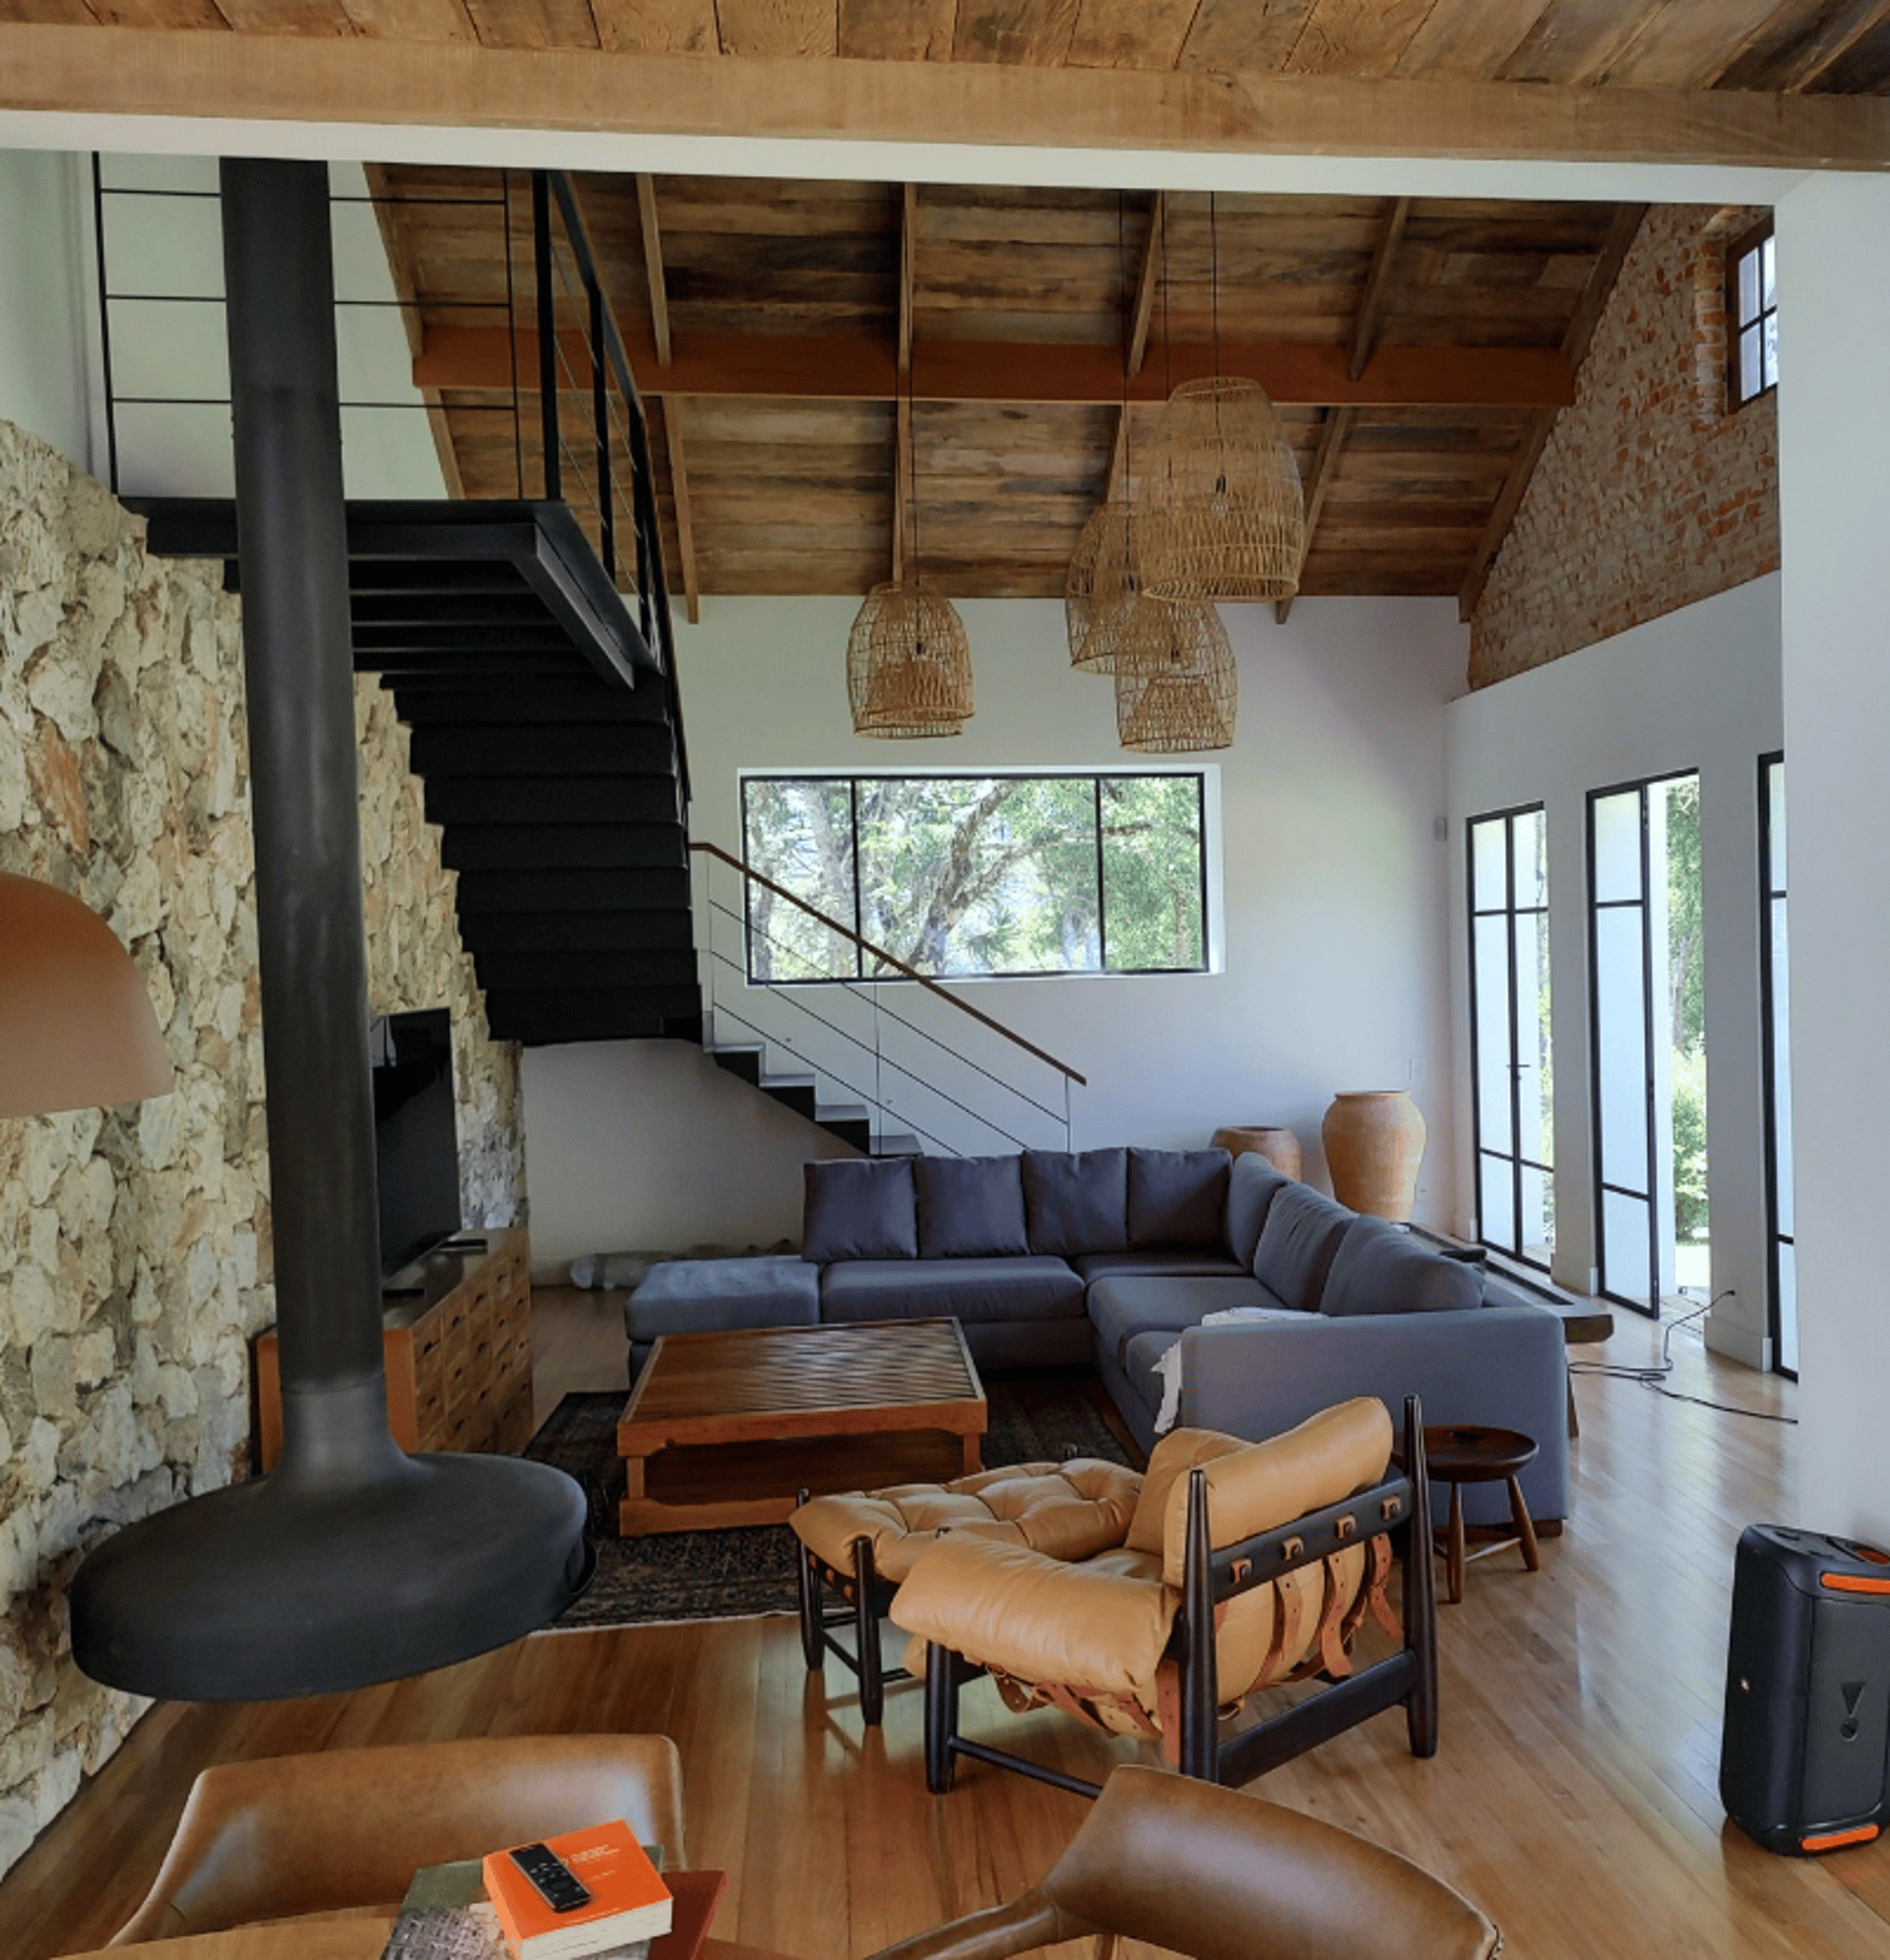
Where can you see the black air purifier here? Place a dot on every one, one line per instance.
(1804, 1758)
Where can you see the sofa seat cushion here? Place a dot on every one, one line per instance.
(1076, 1201)
(1127, 1304)
(1202, 1262)
(1297, 1245)
(1380, 1269)
(969, 1207)
(705, 1296)
(1065, 1510)
(972, 1290)
(1177, 1197)
(860, 1208)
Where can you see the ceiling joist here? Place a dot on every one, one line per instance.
(673, 404)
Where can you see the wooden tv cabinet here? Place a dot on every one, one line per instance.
(456, 1339)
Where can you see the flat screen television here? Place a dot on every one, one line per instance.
(417, 1142)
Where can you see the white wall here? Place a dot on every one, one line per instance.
(1334, 888)
(1834, 439)
(46, 330)
(1697, 689)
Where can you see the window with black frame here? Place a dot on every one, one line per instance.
(976, 876)
(1751, 316)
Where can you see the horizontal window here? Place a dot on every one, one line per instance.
(963, 876)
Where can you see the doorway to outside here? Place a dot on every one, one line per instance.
(1513, 1099)
(1647, 998)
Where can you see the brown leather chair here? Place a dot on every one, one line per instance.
(1220, 1875)
(286, 1835)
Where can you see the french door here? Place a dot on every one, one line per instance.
(1775, 995)
(1513, 1094)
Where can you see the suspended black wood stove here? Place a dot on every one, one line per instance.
(351, 1563)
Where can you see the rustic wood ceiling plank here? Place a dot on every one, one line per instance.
(107, 71)
(1607, 267)
(897, 30)
(1358, 36)
(1687, 45)
(658, 27)
(533, 23)
(1231, 37)
(1131, 33)
(1861, 66)
(412, 19)
(1332, 439)
(1029, 33)
(286, 17)
(780, 30)
(1468, 40)
(1801, 39)
(1575, 40)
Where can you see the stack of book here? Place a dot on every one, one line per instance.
(489, 1910)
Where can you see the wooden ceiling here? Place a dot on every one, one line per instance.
(1826, 46)
(1418, 350)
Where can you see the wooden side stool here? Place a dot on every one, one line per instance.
(1468, 1453)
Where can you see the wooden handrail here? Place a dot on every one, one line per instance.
(898, 966)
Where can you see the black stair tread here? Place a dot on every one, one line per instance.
(586, 973)
(563, 847)
(543, 749)
(786, 1084)
(612, 889)
(533, 800)
(842, 1112)
(575, 932)
(439, 703)
(538, 1016)
(897, 1145)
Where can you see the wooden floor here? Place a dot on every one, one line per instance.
(1574, 1798)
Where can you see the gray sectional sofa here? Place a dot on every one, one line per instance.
(1113, 1256)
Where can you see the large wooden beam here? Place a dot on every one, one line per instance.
(1581, 330)
(857, 367)
(319, 79)
(673, 404)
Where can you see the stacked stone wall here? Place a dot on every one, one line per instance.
(1650, 493)
(135, 1242)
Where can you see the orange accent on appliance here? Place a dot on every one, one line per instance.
(1831, 1839)
(628, 1899)
(1849, 1582)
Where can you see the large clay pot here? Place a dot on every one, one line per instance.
(1281, 1148)
(1374, 1141)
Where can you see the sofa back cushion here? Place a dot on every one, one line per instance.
(969, 1207)
(1380, 1269)
(860, 1208)
(1297, 1244)
(1252, 1183)
(1177, 1197)
(1076, 1201)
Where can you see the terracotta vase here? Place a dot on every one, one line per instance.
(1280, 1147)
(1374, 1141)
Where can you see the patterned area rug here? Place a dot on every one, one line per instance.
(728, 1574)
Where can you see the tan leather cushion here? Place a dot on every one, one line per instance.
(1254, 1489)
(1101, 1624)
(1065, 1510)
(1174, 1456)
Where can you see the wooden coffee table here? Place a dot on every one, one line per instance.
(729, 1428)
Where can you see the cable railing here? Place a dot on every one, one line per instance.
(929, 1068)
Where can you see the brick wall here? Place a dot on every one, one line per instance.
(1649, 495)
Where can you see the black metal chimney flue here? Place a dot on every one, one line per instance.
(351, 1563)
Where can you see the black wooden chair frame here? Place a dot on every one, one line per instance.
(1400, 1508)
(864, 1598)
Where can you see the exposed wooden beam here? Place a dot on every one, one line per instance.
(856, 367)
(908, 248)
(400, 267)
(1145, 286)
(1325, 460)
(673, 404)
(106, 71)
(1581, 330)
(1371, 305)
(653, 265)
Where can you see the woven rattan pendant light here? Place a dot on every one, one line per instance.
(1176, 687)
(1099, 592)
(908, 662)
(1222, 514)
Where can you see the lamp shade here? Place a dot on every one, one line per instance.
(909, 663)
(76, 1025)
(1176, 687)
(1099, 591)
(1222, 514)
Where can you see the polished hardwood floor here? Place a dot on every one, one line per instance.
(1574, 1798)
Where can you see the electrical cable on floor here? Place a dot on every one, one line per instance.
(1655, 1374)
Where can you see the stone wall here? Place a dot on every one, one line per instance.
(134, 1242)
(1648, 494)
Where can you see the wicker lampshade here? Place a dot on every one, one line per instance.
(908, 665)
(1176, 688)
(1099, 592)
(1222, 515)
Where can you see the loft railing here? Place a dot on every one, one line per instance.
(923, 1062)
(598, 463)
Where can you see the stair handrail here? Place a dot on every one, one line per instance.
(892, 960)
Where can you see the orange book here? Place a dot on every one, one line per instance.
(628, 1899)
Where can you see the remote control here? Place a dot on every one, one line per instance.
(551, 1878)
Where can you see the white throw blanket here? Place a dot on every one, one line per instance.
(1168, 1365)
